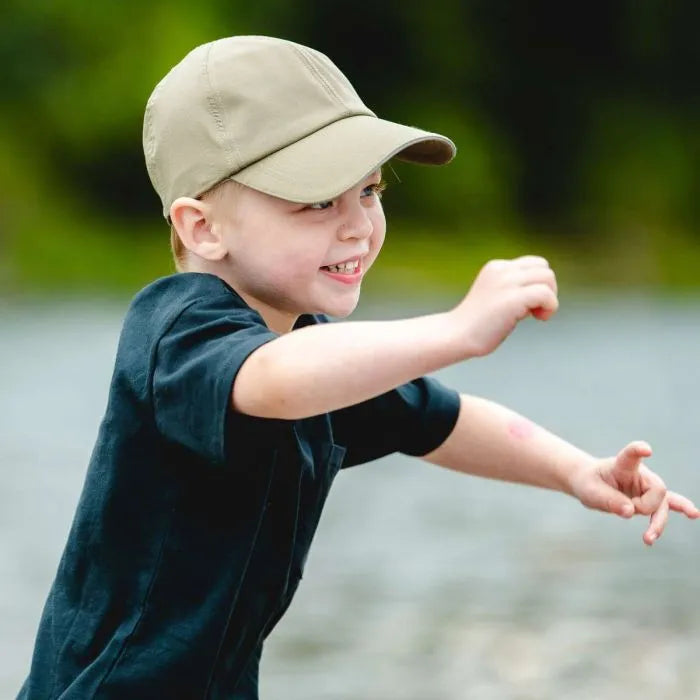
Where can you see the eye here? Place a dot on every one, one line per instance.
(375, 188)
(319, 206)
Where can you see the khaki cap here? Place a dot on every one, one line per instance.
(273, 115)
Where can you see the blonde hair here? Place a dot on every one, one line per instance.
(177, 249)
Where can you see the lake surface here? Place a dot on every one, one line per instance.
(422, 584)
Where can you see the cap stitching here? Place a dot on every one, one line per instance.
(214, 103)
(319, 77)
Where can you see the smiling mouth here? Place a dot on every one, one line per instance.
(345, 268)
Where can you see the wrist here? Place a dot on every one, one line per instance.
(475, 335)
(447, 337)
(574, 473)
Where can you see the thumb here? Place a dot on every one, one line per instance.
(608, 499)
(629, 457)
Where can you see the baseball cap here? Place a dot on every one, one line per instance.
(273, 115)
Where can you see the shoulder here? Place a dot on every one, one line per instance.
(169, 296)
(183, 300)
(155, 309)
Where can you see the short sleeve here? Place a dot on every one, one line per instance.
(196, 362)
(415, 418)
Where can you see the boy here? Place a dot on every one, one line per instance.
(234, 403)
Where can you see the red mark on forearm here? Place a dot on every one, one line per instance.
(521, 428)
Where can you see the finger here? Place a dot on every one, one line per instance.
(497, 264)
(608, 499)
(657, 523)
(531, 261)
(542, 275)
(652, 497)
(629, 457)
(541, 297)
(536, 275)
(681, 504)
(541, 314)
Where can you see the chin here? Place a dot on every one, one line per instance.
(341, 314)
(340, 309)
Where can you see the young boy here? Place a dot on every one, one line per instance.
(234, 403)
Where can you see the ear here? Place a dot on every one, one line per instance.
(192, 219)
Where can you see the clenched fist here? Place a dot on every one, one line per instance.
(503, 293)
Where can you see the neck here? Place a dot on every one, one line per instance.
(276, 320)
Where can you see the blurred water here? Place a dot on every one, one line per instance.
(421, 584)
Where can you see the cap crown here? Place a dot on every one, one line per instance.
(234, 101)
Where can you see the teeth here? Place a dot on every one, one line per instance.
(345, 268)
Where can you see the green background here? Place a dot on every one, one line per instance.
(576, 127)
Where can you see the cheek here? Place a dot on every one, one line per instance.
(290, 268)
(378, 231)
(378, 240)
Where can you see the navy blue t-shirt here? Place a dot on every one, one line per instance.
(194, 522)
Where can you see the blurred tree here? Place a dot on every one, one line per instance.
(569, 120)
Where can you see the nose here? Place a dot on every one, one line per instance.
(356, 223)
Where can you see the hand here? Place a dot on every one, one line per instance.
(623, 485)
(503, 293)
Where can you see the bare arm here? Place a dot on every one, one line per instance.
(323, 368)
(494, 442)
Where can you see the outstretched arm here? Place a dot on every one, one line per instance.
(492, 441)
(322, 368)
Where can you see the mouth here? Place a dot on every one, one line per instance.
(347, 271)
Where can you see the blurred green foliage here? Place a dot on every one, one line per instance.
(576, 128)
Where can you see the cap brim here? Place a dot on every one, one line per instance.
(335, 158)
